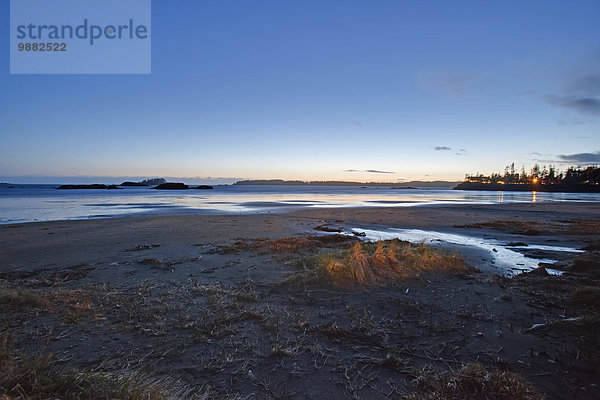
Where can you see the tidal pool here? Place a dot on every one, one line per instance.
(498, 256)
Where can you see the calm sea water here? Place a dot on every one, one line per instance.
(27, 203)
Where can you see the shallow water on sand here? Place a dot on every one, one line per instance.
(27, 203)
(503, 259)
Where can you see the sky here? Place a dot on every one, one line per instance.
(360, 90)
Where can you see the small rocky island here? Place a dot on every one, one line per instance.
(180, 186)
(158, 183)
(134, 184)
(172, 186)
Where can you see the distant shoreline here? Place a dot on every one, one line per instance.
(274, 182)
(281, 182)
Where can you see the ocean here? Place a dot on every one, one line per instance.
(29, 203)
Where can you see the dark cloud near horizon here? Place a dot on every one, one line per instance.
(581, 158)
(580, 94)
(373, 171)
(586, 84)
(585, 105)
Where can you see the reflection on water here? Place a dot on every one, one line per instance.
(43, 202)
(533, 197)
(506, 260)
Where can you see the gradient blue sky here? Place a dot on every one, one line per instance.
(326, 89)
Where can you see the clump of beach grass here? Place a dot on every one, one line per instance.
(471, 382)
(383, 262)
(586, 296)
(23, 298)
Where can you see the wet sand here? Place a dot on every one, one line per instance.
(184, 297)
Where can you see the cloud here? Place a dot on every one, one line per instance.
(589, 84)
(584, 105)
(567, 122)
(372, 171)
(451, 82)
(541, 158)
(356, 124)
(580, 93)
(459, 152)
(581, 158)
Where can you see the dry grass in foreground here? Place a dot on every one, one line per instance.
(287, 246)
(586, 296)
(23, 298)
(33, 378)
(472, 382)
(381, 263)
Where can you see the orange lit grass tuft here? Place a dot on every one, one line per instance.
(391, 260)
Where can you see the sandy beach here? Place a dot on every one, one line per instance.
(220, 307)
(64, 243)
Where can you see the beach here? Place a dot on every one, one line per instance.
(221, 307)
(63, 243)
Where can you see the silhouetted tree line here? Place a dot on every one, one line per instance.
(545, 175)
